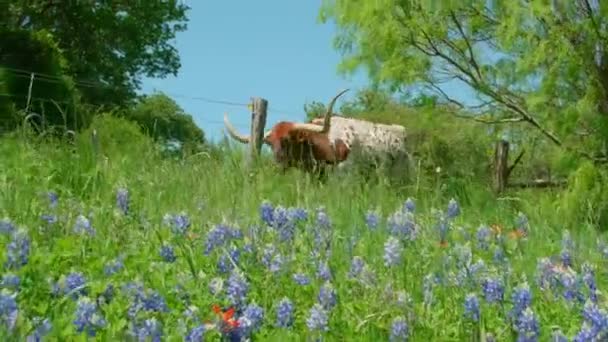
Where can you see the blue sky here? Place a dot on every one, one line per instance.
(234, 50)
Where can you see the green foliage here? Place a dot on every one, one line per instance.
(163, 119)
(53, 95)
(586, 199)
(108, 46)
(534, 62)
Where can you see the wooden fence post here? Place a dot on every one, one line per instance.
(258, 122)
(501, 167)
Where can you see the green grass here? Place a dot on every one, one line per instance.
(219, 191)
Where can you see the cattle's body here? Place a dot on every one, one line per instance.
(372, 138)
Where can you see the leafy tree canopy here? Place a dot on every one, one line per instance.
(108, 44)
(162, 118)
(538, 63)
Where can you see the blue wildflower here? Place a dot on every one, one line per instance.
(471, 307)
(586, 334)
(277, 263)
(521, 298)
(483, 237)
(453, 209)
(83, 225)
(399, 329)
(237, 289)
(299, 214)
(216, 285)
(151, 328)
(114, 266)
(216, 238)
(197, 334)
(327, 296)
(53, 199)
(372, 220)
(43, 327)
(323, 271)
(392, 252)
(428, 282)
(527, 326)
(589, 279)
(179, 223)
(301, 279)
(493, 290)
(596, 318)
(18, 250)
(323, 220)
(8, 309)
(284, 313)
(558, 336)
(122, 200)
(356, 267)
(267, 213)
(251, 320)
(75, 285)
(10, 280)
(402, 225)
(317, 318)
(409, 205)
(6, 226)
(167, 253)
(49, 218)
(87, 317)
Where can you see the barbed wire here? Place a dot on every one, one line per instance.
(22, 73)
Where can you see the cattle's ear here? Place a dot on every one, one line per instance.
(297, 135)
(341, 150)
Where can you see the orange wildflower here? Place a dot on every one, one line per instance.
(227, 318)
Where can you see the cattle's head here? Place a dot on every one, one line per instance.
(303, 142)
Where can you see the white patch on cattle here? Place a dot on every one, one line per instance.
(372, 137)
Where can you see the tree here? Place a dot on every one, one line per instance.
(542, 64)
(163, 119)
(109, 45)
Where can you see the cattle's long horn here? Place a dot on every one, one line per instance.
(232, 131)
(327, 120)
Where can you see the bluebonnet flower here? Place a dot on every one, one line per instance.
(284, 313)
(43, 327)
(216, 285)
(402, 225)
(409, 205)
(114, 266)
(49, 218)
(483, 237)
(83, 225)
(585, 334)
(392, 252)
(167, 253)
(547, 277)
(87, 317)
(122, 200)
(596, 318)
(372, 220)
(142, 299)
(589, 279)
(301, 279)
(453, 209)
(6, 226)
(216, 237)
(267, 213)
(317, 318)
(558, 336)
(10, 280)
(572, 286)
(399, 329)
(8, 309)
(151, 328)
(251, 320)
(18, 250)
(299, 214)
(108, 294)
(197, 334)
(527, 326)
(566, 258)
(323, 271)
(277, 263)
(75, 285)
(323, 220)
(521, 298)
(327, 296)
(356, 267)
(53, 199)
(237, 289)
(442, 227)
(179, 223)
(499, 255)
(471, 307)
(493, 289)
(521, 222)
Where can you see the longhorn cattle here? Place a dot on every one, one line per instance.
(304, 145)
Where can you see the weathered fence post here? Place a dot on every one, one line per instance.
(258, 122)
(501, 167)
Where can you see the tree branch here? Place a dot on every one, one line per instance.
(467, 42)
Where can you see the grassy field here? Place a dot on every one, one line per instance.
(119, 243)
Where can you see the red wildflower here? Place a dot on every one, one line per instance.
(227, 318)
